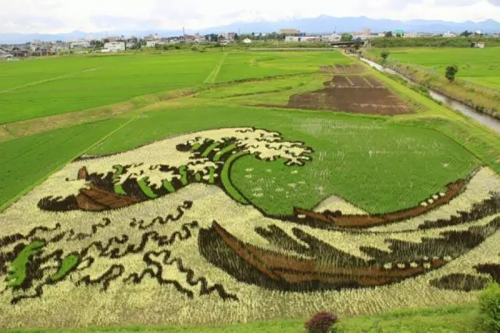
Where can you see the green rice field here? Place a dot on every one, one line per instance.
(479, 66)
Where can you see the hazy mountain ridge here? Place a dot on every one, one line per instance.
(321, 24)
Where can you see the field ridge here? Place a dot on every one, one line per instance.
(212, 77)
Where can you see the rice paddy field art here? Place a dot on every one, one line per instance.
(164, 223)
(275, 185)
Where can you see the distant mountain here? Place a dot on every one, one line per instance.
(328, 24)
(321, 24)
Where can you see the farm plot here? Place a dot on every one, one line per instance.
(166, 224)
(40, 88)
(354, 94)
(479, 66)
(239, 66)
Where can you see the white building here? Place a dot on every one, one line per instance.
(80, 44)
(331, 38)
(302, 39)
(5, 55)
(113, 47)
(153, 43)
(247, 41)
(449, 34)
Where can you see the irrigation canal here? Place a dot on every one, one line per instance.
(481, 118)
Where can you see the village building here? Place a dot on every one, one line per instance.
(19, 51)
(80, 44)
(449, 34)
(5, 55)
(113, 47)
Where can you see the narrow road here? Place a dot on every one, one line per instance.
(213, 75)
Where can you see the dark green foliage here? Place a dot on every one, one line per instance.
(451, 72)
(385, 55)
(321, 322)
(489, 302)
(346, 38)
(430, 42)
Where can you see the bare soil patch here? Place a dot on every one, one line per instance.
(354, 94)
(5, 135)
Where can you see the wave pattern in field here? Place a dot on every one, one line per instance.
(197, 246)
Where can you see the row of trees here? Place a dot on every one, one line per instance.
(432, 42)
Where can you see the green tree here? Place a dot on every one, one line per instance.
(385, 55)
(451, 72)
(466, 33)
(346, 38)
(96, 44)
(389, 34)
(489, 305)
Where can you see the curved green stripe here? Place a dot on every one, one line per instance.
(143, 184)
(118, 187)
(210, 148)
(67, 266)
(195, 147)
(211, 176)
(226, 179)
(183, 172)
(168, 186)
(226, 150)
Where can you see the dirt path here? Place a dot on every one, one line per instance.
(213, 75)
(49, 80)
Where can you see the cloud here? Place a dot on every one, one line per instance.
(58, 16)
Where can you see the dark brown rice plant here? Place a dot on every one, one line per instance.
(321, 322)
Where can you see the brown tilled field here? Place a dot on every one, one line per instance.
(354, 94)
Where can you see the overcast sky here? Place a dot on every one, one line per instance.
(59, 16)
